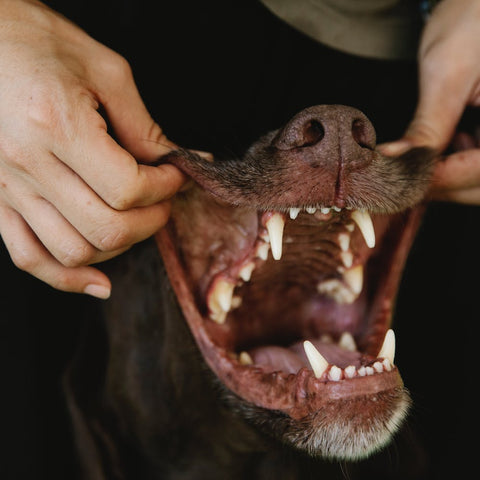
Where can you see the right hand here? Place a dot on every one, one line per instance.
(70, 196)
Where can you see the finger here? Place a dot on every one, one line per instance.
(469, 196)
(86, 221)
(30, 255)
(112, 172)
(460, 170)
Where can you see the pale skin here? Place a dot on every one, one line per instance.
(449, 81)
(71, 196)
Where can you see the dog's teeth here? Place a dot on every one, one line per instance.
(387, 365)
(344, 241)
(294, 211)
(354, 279)
(262, 251)
(369, 370)
(275, 226)
(336, 289)
(317, 362)
(245, 359)
(350, 371)
(347, 258)
(335, 373)
(336, 209)
(220, 300)
(388, 347)
(325, 210)
(364, 221)
(246, 271)
(310, 209)
(347, 342)
(378, 367)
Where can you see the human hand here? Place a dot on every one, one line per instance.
(449, 70)
(70, 196)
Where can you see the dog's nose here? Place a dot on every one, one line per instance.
(328, 133)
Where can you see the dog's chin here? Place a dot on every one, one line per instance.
(292, 312)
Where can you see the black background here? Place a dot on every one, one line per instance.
(216, 75)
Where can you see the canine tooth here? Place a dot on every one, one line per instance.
(347, 342)
(335, 373)
(325, 210)
(387, 365)
(246, 271)
(354, 278)
(364, 222)
(245, 359)
(317, 362)
(262, 251)
(347, 258)
(294, 211)
(344, 241)
(378, 367)
(388, 347)
(275, 226)
(350, 371)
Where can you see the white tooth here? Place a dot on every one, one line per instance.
(388, 348)
(344, 241)
(347, 342)
(335, 373)
(236, 301)
(245, 359)
(350, 227)
(262, 251)
(350, 371)
(337, 209)
(362, 371)
(364, 221)
(246, 271)
(369, 370)
(347, 258)
(387, 365)
(335, 289)
(310, 209)
(354, 278)
(378, 367)
(325, 210)
(223, 294)
(326, 338)
(275, 226)
(317, 362)
(294, 211)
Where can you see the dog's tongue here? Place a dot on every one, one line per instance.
(292, 359)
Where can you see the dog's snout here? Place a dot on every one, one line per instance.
(328, 133)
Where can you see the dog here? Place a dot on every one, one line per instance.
(258, 322)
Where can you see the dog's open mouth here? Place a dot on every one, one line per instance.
(291, 308)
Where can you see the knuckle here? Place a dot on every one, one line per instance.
(116, 237)
(25, 260)
(123, 197)
(76, 255)
(117, 66)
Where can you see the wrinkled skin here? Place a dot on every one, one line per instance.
(160, 401)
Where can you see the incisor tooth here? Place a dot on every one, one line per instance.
(347, 342)
(317, 362)
(294, 211)
(354, 278)
(310, 209)
(365, 224)
(275, 226)
(350, 371)
(335, 373)
(388, 347)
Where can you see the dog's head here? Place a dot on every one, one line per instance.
(286, 265)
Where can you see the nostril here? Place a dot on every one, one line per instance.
(313, 132)
(361, 134)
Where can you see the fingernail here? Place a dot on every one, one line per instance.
(98, 291)
(394, 149)
(205, 155)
